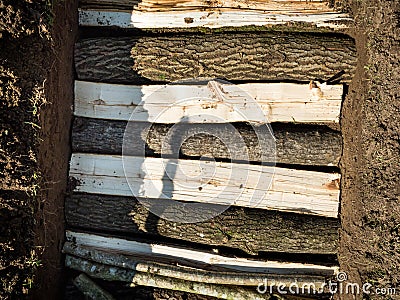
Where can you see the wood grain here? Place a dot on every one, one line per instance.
(213, 101)
(208, 182)
(190, 257)
(310, 17)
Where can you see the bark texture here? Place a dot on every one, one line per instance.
(295, 144)
(250, 230)
(261, 56)
(145, 279)
(185, 273)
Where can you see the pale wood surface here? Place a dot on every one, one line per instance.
(200, 258)
(188, 273)
(216, 18)
(279, 102)
(300, 6)
(291, 190)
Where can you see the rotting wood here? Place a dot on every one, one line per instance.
(190, 274)
(90, 289)
(294, 144)
(146, 279)
(278, 102)
(208, 182)
(262, 56)
(194, 258)
(249, 230)
(217, 18)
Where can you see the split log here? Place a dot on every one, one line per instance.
(90, 289)
(205, 183)
(145, 279)
(294, 144)
(215, 101)
(151, 5)
(262, 56)
(246, 229)
(281, 5)
(194, 258)
(312, 17)
(190, 274)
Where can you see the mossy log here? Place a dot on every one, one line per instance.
(146, 279)
(188, 273)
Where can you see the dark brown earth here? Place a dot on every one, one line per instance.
(35, 108)
(370, 210)
(54, 152)
(21, 90)
(35, 100)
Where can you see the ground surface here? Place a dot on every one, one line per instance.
(36, 70)
(21, 93)
(370, 212)
(35, 108)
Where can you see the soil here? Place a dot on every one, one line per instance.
(54, 151)
(36, 94)
(370, 210)
(22, 93)
(36, 47)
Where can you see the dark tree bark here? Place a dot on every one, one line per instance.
(239, 56)
(250, 230)
(295, 144)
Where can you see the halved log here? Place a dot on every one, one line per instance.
(262, 56)
(207, 182)
(294, 144)
(168, 5)
(111, 273)
(307, 16)
(246, 229)
(188, 273)
(219, 102)
(194, 258)
(280, 5)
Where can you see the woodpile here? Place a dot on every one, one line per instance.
(273, 130)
